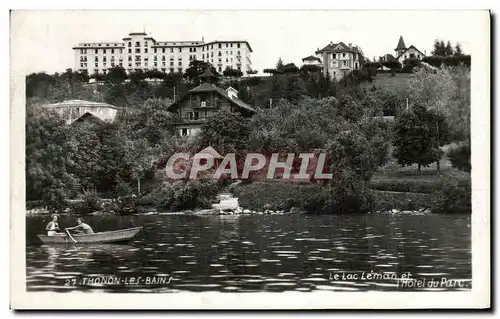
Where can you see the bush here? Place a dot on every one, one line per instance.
(191, 194)
(438, 61)
(452, 195)
(460, 157)
(89, 202)
(402, 185)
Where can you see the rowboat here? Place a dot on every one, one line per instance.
(114, 236)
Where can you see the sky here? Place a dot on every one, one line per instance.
(46, 38)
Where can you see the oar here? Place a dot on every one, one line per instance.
(67, 231)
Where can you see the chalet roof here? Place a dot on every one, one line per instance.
(410, 47)
(311, 58)
(88, 117)
(79, 103)
(206, 87)
(401, 44)
(339, 47)
(209, 150)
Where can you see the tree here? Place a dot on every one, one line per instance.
(226, 132)
(269, 71)
(290, 68)
(448, 49)
(230, 72)
(47, 147)
(196, 68)
(458, 50)
(418, 135)
(116, 74)
(280, 66)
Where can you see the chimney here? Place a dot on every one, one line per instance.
(203, 39)
(350, 45)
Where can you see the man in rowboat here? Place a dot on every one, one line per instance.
(82, 228)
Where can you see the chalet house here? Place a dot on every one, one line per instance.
(73, 110)
(203, 101)
(339, 59)
(311, 60)
(403, 52)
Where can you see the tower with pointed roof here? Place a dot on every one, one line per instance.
(208, 77)
(401, 46)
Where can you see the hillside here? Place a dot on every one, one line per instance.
(397, 83)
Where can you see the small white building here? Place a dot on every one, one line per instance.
(72, 110)
(403, 52)
(232, 92)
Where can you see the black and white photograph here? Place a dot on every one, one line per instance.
(268, 158)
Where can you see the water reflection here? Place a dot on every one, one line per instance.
(260, 253)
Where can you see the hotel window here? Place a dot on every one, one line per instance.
(96, 58)
(180, 63)
(112, 51)
(129, 44)
(180, 70)
(162, 50)
(163, 58)
(137, 57)
(96, 51)
(137, 50)
(220, 69)
(129, 50)
(121, 51)
(129, 58)
(190, 115)
(137, 44)
(112, 64)
(231, 45)
(104, 59)
(203, 56)
(81, 65)
(345, 63)
(220, 45)
(171, 50)
(130, 65)
(194, 49)
(146, 63)
(156, 64)
(145, 50)
(343, 55)
(238, 53)
(171, 63)
(155, 58)
(164, 63)
(184, 132)
(212, 54)
(227, 59)
(180, 49)
(196, 115)
(238, 45)
(227, 45)
(334, 56)
(121, 64)
(145, 43)
(220, 53)
(97, 65)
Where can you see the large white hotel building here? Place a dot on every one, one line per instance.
(140, 51)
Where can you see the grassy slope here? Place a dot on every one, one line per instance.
(397, 83)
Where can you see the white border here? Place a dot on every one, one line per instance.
(477, 298)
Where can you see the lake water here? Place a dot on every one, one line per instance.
(258, 253)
